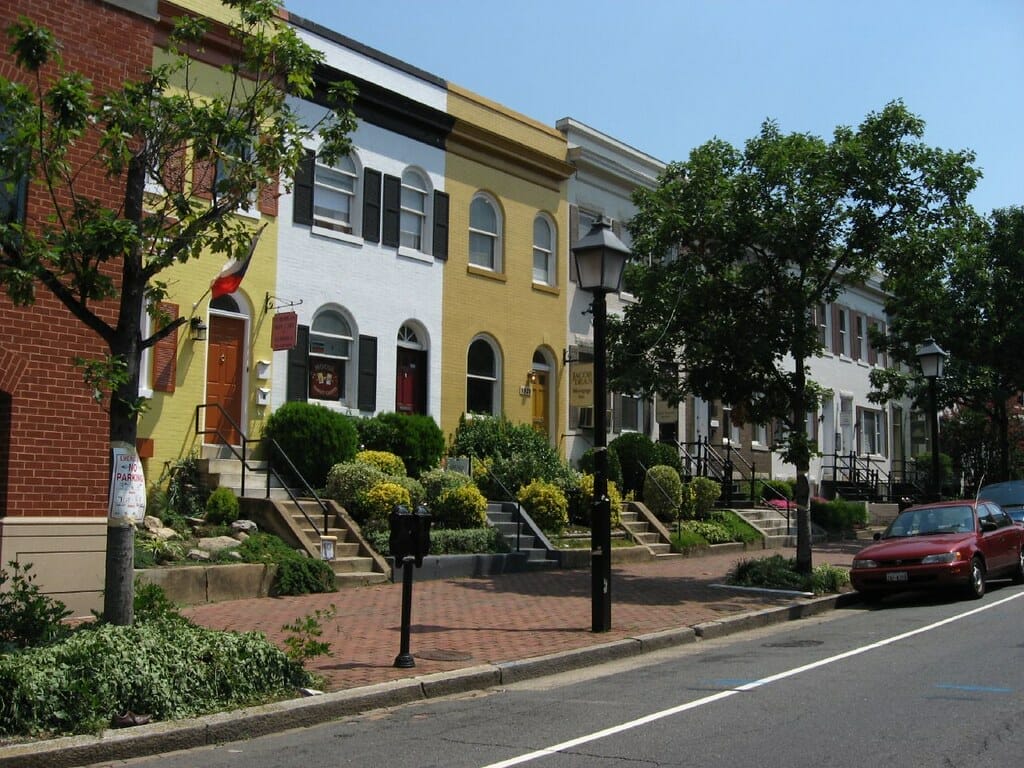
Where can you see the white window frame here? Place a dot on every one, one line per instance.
(872, 441)
(844, 332)
(345, 357)
(860, 337)
(824, 335)
(546, 253)
(323, 223)
(414, 183)
(495, 236)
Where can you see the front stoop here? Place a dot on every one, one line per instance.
(523, 538)
(772, 525)
(646, 530)
(355, 562)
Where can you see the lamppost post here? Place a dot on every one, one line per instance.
(932, 359)
(600, 260)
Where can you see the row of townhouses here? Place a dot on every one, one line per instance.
(428, 272)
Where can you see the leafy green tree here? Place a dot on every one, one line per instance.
(152, 131)
(967, 298)
(739, 247)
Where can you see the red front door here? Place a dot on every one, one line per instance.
(410, 388)
(224, 380)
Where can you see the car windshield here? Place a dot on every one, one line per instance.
(928, 521)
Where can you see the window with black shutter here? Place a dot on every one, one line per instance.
(392, 211)
(302, 213)
(298, 366)
(440, 240)
(371, 205)
(367, 394)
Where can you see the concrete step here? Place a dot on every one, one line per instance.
(360, 578)
(352, 564)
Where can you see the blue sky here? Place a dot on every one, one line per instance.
(665, 76)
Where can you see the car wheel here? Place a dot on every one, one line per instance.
(1018, 572)
(976, 583)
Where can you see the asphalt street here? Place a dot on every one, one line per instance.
(919, 681)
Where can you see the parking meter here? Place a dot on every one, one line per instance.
(402, 540)
(421, 534)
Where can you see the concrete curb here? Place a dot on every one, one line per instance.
(158, 738)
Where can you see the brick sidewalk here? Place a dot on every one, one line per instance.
(460, 623)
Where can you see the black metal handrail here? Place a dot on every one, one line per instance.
(271, 470)
(497, 480)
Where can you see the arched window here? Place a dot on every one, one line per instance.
(334, 194)
(482, 378)
(544, 255)
(485, 233)
(330, 347)
(413, 222)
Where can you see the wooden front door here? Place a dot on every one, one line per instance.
(540, 402)
(224, 379)
(411, 384)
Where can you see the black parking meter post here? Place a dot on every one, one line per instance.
(404, 659)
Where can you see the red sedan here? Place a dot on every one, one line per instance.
(947, 544)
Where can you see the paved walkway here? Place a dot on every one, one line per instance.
(462, 623)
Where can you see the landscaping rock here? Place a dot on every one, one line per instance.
(198, 554)
(241, 536)
(152, 523)
(166, 534)
(244, 526)
(218, 543)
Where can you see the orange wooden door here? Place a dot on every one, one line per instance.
(224, 379)
(540, 402)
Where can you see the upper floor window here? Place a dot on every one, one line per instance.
(330, 347)
(484, 233)
(860, 331)
(821, 321)
(235, 152)
(543, 251)
(334, 194)
(843, 317)
(482, 378)
(413, 220)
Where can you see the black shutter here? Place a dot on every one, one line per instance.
(574, 235)
(298, 366)
(441, 226)
(302, 213)
(371, 206)
(392, 209)
(367, 395)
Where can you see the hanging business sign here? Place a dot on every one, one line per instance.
(282, 331)
(127, 488)
(581, 385)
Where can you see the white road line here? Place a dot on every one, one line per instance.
(654, 716)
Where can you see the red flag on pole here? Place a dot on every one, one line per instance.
(230, 276)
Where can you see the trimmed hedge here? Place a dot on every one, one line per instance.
(313, 437)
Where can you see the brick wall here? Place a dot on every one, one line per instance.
(56, 455)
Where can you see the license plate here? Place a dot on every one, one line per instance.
(896, 576)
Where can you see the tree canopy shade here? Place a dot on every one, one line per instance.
(968, 298)
(150, 138)
(737, 248)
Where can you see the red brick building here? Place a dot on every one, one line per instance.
(54, 444)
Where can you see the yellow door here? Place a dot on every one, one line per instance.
(540, 402)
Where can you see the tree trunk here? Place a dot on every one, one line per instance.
(800, 454)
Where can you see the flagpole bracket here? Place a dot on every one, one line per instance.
(273, 303)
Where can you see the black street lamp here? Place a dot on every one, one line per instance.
(932, 359)
(600, 260)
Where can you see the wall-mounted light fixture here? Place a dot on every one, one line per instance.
(532, 377)
(197, 329)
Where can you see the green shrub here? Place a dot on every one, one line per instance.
(436, 482)
(415, 438)
(827, 579)
(738, 528)
(667, 455)
(449, 541)
(377, 504)
(168, 669)
(712, 533)
(222, 507)
(417, 495)
(663, 492)
(152, 604)
(515, 454)
(27, 616)
(838, 515)
(547, 505)
(151, 551)
(614, 468)
(385, 461)
(346, 481)
(314, 438)
(783, 489)
(635, 453)
(297, 573)
(775, 572)
(687, 540)
(586, 492)
(705, 493)
(178, 494)
(461, 507)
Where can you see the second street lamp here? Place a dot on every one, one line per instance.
(932, 358)
(600, 260)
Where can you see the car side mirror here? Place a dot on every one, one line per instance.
(877, 536)
(988, 525)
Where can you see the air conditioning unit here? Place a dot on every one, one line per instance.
(586, 420)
